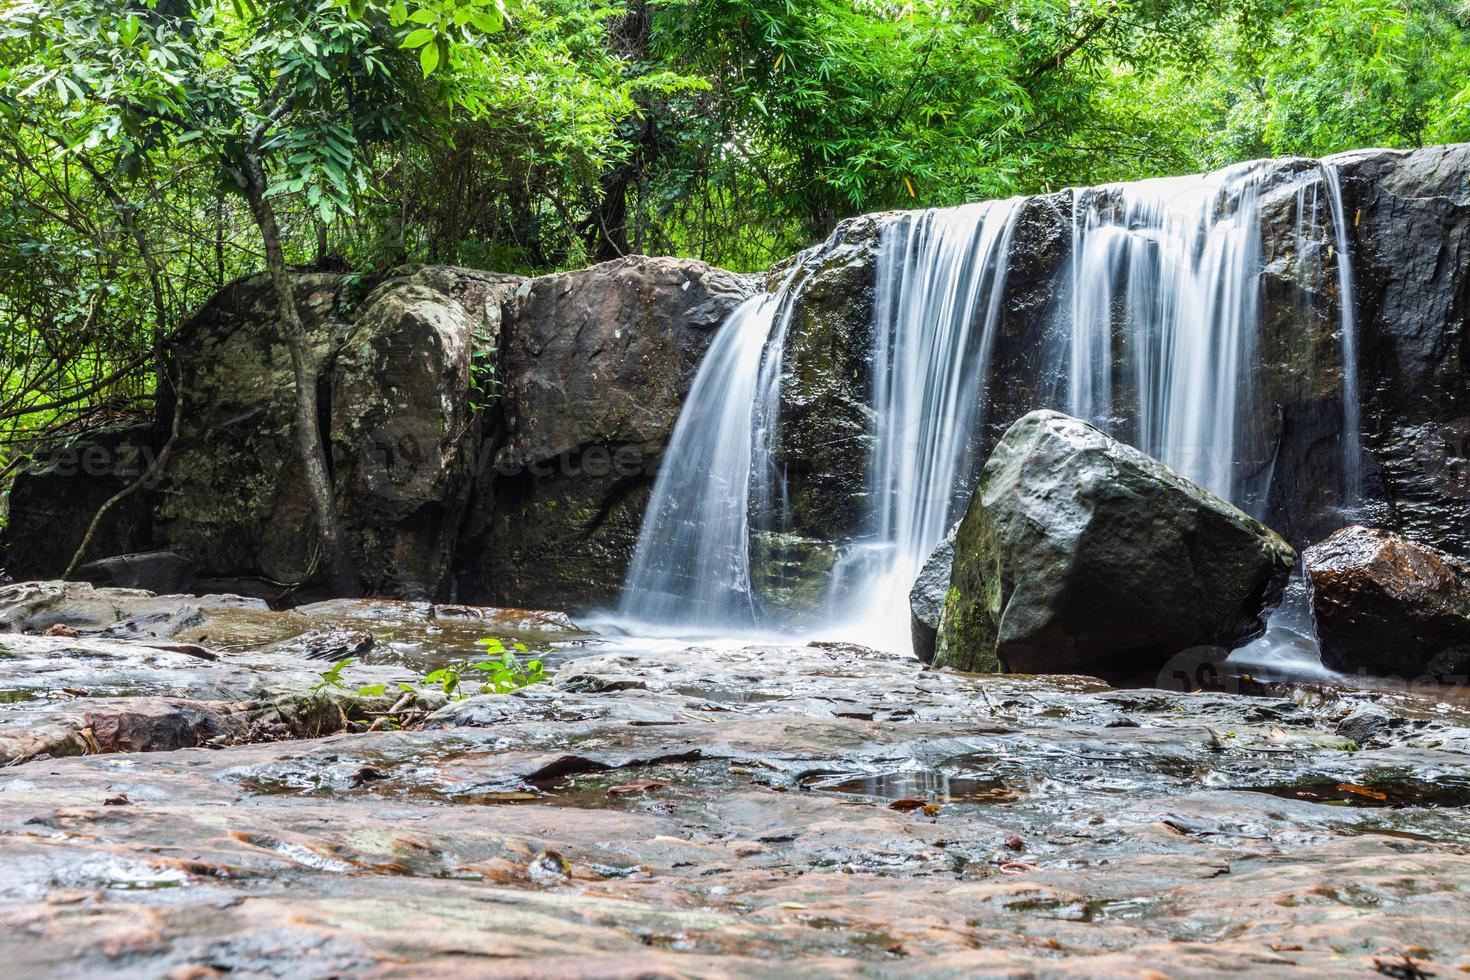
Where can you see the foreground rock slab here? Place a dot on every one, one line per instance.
(1079, 554)
(1386, 605)
(710, 811)
(87, 670)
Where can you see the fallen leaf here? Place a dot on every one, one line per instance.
(507, 796)
(905, 806)
(1357, 790)
(638, 786)
(932, 809)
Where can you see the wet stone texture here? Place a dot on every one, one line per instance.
(712, 811)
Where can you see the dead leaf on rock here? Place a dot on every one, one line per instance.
(118, 800)
(637, 786)
(1357, 790)
(906, 806)
(507, 796)
(61, 629)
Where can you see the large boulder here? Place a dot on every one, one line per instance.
(408, 380)
(594, 368)
(233, 498)
(1385, 605)
(395, 393)
(1079, 554)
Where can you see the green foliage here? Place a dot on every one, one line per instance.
(331, 680)
(500, 673)
(491, 676)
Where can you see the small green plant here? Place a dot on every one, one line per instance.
(491, 676)
(331, 679)
(484, 384)
(501, 673)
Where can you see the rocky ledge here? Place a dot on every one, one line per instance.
(663, 811)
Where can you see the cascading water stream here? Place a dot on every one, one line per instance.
(940, 284)
(1177, 259)
(1352, 432)
(1159, 318)
(692, 564)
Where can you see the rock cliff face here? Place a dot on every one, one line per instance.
(490, 436)
(594, 368)
(493, 438)
(1411, 250)
(52, 502)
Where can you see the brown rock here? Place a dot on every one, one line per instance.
(1387, 605)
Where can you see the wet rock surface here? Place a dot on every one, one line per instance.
(926, 598)
(1080, 554)
(709, 811)
(1386, 605)
(593, 371)
(87, 670)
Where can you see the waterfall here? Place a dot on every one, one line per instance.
(1156, 321)
(1352, 433)
(692, 563)
(940, 282)
(1177, 260)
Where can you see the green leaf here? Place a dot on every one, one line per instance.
(418, 39)
(486, 23)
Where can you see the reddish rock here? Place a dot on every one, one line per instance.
(1386, 605)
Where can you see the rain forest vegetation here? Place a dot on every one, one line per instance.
(157, 149)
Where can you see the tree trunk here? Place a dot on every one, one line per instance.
(306, 372)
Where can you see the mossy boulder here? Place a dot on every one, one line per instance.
(1081, 555)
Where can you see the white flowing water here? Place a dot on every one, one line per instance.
(1352, 433)
(692, 564)
(1178, 261)
(940, 284)
(1160, 313)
